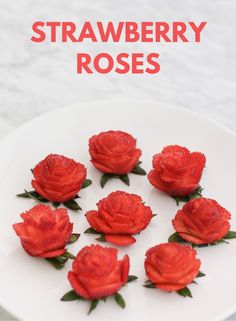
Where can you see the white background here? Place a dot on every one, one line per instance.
(36, 78)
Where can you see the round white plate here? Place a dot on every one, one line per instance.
(31, 289)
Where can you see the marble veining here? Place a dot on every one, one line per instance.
(36, 78)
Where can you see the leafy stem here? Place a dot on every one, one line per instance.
(175, 237)
(73, 296)
(195, 194)
(106, 177)
(124, 177)
(71, 204)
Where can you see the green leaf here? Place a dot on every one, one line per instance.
(105, 178)
(90, 230)
(93, 305)
(230, 235)
(149, 284)
(71, 296)
(125, 179)
(185, 292)
(153, 215)
(131, 278)
(86, 183)
(195, 194)
(56, 204)
(61, 259)
(27, 194)
(218, 242)
(120, 300)
(175, 237)
(73, 238)
(200, 274)
(138, 170)
(177, 199)
(34, 195)
(101, 238)
(68, 255)
(55, 262)
(72, 205)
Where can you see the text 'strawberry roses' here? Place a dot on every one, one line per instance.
(114, 153)
(119, 215)
(177, 172)
(171, 267)
(58, 179)
(202, 221)
(45, 233)
(97, 274)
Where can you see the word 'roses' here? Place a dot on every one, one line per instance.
(58, 178)
(171, 266)
(120, 215)
(176, 171)
(114, 152)
(202, 221)
(97, 273)
(44, 232)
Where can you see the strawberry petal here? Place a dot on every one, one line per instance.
(52, 253)
(120, 240)
(125, 269)
(77, 286)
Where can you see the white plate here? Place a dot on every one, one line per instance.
(31, 289)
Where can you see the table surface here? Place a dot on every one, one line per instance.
(36, 78)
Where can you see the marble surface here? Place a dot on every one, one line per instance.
(36, 78)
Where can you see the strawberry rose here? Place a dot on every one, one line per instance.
(58, 178)
(202, 221)
(176, 171)
(114, 153)
(171, 267)
(44, 232)
(97, 273)
(119, 215)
